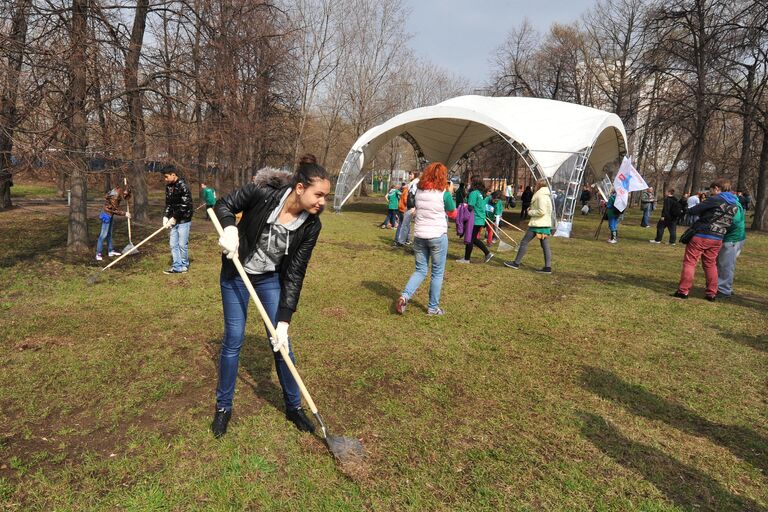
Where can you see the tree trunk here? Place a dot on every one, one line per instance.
(77, 229)
(135, 114)
(8, 97)
(746, 130)
(760, 222)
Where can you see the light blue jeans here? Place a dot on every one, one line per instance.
(106, 233)
(180, 245)
(424, 249)
(404, 228)
(726, 266)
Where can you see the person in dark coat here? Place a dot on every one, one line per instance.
(274, 239)
(670, 214)
(177, 217)
(461, 194)
(526, 200)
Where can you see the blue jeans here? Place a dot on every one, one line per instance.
(391, 218)
(647, 209)
(404, 228)
(106, 233)
(180, 245)
(726, 266)
(424, 249)
(613, 223)
(235, 299)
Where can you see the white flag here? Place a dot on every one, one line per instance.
(627, 180)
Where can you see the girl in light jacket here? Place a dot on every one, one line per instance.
(540, 226)
(433, 201)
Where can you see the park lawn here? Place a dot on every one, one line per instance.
(587, 389)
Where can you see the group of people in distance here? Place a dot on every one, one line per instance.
(177, 217)
(434, 202)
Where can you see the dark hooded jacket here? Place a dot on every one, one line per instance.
(178, 201)
(715, 215)
(256, 201)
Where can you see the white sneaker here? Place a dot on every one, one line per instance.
(654, 241)
(98, 257)
(114, 253)
(613, 241)
(462, 260)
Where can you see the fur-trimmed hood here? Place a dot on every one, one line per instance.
(270, 176)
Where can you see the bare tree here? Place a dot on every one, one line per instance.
(16, 43)
(690, 37)
(614, 37)
(77, 232)
(319, 46)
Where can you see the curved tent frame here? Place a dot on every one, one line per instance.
(556, 140)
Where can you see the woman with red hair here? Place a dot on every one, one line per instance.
(433, 201)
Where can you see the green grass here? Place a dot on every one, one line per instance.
(32, 191)
(590, 389)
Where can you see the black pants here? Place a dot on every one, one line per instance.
(668, 224)
(475, 241)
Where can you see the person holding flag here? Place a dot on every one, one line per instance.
(627, 180)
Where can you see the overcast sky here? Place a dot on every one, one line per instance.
(461, 35)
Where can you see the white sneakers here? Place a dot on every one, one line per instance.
(111, 254)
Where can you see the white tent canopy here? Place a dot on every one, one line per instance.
(546, 133)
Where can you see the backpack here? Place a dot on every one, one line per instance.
(402, 203)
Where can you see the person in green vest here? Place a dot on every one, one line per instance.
(733, 243)
(209, 196)
(477, 200)
(497, 205)
(392, 197)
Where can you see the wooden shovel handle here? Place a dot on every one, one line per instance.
(499, 230)
(265, 316)
(128, 211)
(135, 247)
(512, 225)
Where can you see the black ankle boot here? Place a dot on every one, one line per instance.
(298, 418)
(220, 421)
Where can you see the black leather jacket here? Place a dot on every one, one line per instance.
(257, 203)
(178, 201)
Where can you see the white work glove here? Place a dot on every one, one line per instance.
(168, 222)
(229, 241)
(282, 337)
(127, 215)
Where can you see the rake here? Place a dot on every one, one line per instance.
(503, 246)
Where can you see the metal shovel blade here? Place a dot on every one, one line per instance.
(130, 249)
(345, 449)
(503, 247)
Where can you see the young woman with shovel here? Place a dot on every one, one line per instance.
(112, 201)
(274, 240)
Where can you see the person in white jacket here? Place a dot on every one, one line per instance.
(433, 200)
(540, 226)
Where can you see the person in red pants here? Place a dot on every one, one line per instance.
(715, 217)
